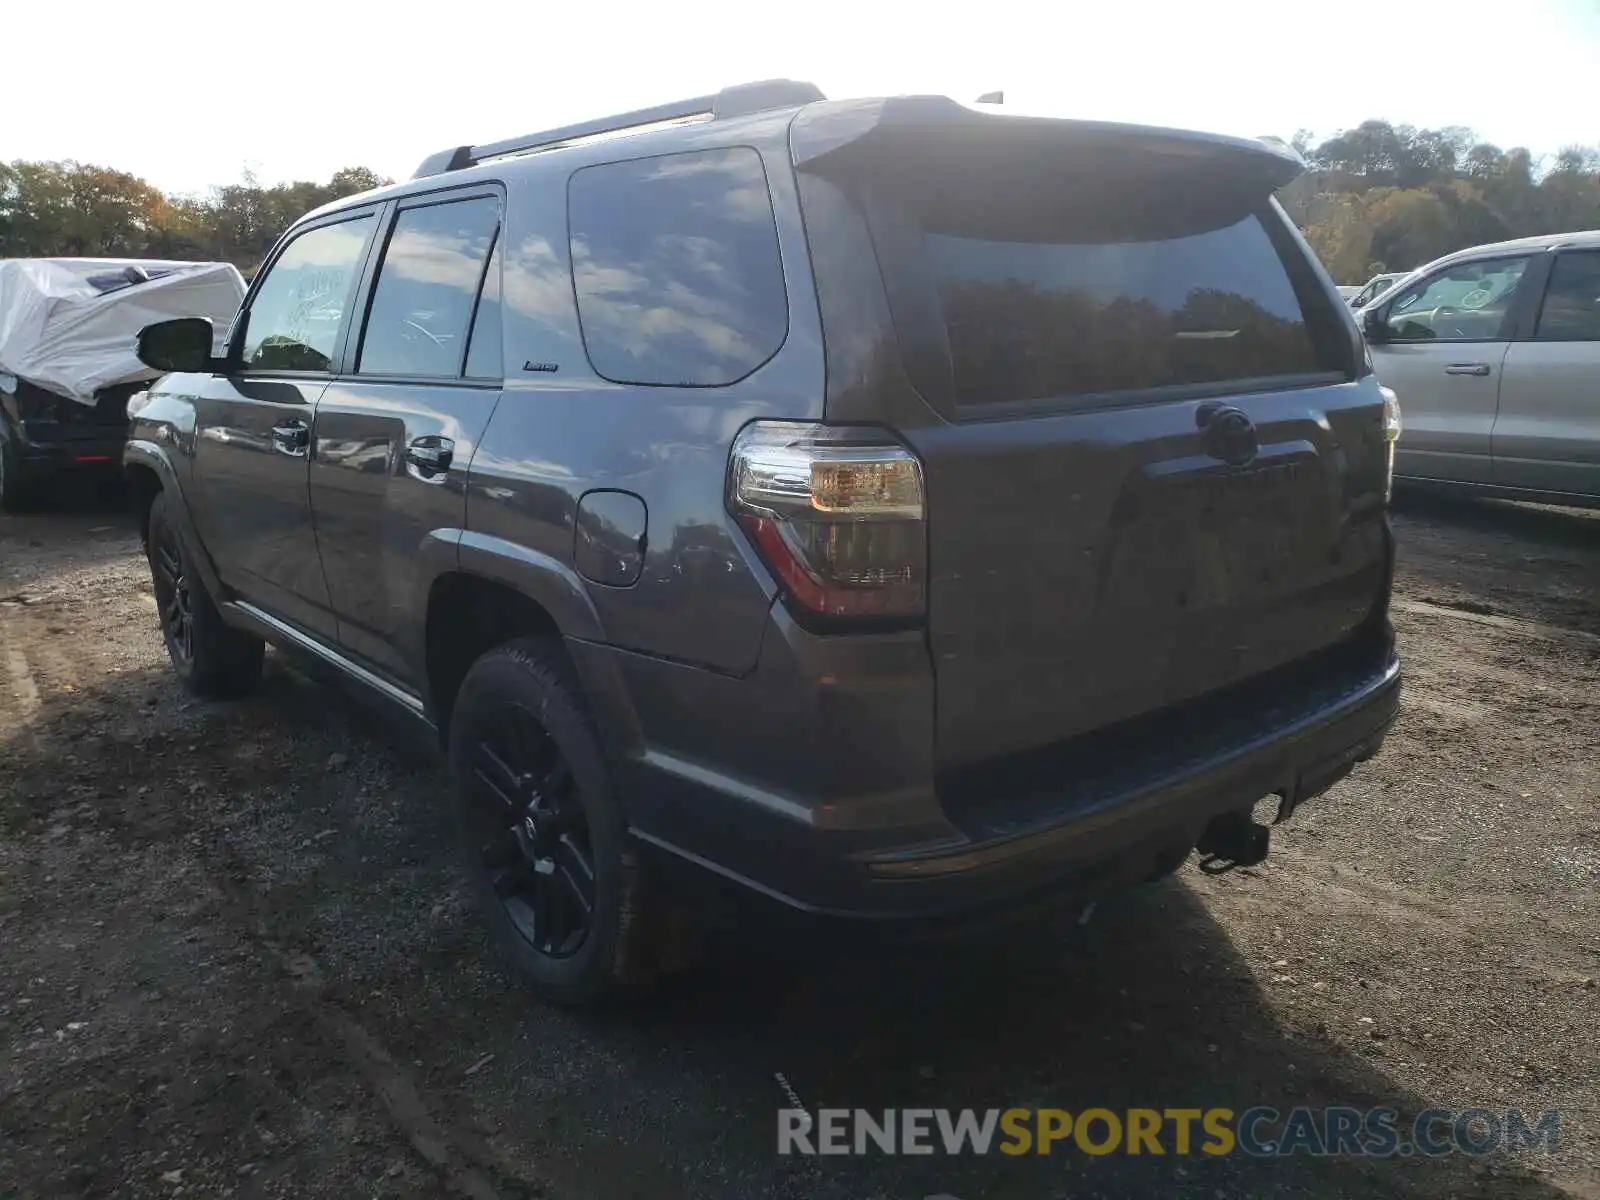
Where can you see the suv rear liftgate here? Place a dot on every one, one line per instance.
(1155, 463)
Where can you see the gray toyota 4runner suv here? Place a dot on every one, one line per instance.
(895, 514)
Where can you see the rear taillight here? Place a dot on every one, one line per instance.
(836, 513)
(1391, 435)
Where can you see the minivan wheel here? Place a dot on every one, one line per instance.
(542, 837)
(210, 657)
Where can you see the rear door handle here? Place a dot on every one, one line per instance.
(429, 457)
(292, 438)
(1467, 369)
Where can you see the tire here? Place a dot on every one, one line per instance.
(543, 840)
(211, 658)
(14, 493)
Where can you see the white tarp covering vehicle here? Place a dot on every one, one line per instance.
(68, 331)
(69, 325)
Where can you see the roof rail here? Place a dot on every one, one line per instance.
(737, 101)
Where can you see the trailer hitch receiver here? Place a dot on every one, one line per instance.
(1232, 839)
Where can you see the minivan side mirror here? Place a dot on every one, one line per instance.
(1373, 325)
(181, 344)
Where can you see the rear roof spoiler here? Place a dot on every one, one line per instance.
(737, 101)
(829, 130)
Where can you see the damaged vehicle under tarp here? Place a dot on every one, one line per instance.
(68, 330)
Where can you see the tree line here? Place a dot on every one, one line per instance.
(1378, 197)
(1384, 197)
(76, 210)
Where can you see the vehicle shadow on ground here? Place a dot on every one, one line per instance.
(1149, 1005)
(102, 493)
(1540, 524)
(1546, 568)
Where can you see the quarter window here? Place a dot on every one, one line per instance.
(427, 289)
(1571, 310)
(1468, 302)
(676, 267)
(298, 309)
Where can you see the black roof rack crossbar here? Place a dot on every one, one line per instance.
(736, 101)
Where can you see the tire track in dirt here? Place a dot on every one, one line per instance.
(61, 619)
(463, 1169)
(22, 691)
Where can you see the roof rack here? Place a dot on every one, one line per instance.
(737, 101)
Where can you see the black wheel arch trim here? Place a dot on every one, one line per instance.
(547, 581)
(558, 589)
(148, 455)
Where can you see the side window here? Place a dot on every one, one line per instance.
(676, 268)
(1464, 303)
(483, 349)
(297, 312)
(427, 288)
(1571, 311)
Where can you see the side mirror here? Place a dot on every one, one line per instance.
(1373, 326)
(181, 344)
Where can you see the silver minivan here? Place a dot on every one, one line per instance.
(1495, 355)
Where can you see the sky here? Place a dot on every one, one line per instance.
(296, 89)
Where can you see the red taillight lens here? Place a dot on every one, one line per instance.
(836, 513)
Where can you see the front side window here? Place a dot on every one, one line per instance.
(676, 267)
(1571, 311)
(1073, 316)
(427, 289)
(1468, 302)
(298, 309)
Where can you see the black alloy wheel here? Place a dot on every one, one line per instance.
(529, 823)
(174, 597)
(211, 658)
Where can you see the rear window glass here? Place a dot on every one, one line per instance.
(675, 262)
(1045, 320)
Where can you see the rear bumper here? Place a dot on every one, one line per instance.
(99, 450)
(888, 853)
(1125, 835)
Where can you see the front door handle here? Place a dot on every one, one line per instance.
(429, 457)
(1479, 369)
(292, 438)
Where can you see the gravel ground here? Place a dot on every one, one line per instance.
(237, 961)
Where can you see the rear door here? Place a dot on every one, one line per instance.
(394, 435)
(1446, 338)
(1153, 466)
(1547, 434)
(252, 433)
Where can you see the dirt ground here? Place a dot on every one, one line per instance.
(234, 958)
